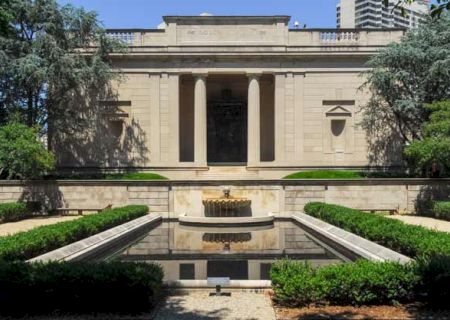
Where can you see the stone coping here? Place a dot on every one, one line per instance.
(253, 284)
(342, 240)
(278, 182)
(94, 245)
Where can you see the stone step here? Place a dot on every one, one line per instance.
(227, 173)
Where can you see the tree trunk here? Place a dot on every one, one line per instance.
(30, 110)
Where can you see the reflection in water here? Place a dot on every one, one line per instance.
(227, 237)
(197, 254)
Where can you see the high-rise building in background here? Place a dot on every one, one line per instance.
(373, 14)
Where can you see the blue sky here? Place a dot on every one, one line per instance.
(147, 13)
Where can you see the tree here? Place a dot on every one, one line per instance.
(22, 155)
(403, 78)
(5, 18)
(434, 149)
(436, 9)
(49, 66)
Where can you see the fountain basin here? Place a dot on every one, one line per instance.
(226, 221)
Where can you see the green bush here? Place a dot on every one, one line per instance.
(441, 209)
(22, 154)
(29, 244)
(78, 287)
(413, 241)
(434, 286)
(13, 211)
(360, 283)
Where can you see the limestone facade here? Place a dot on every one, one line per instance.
(205, 88)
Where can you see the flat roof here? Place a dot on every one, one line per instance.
(267, 19)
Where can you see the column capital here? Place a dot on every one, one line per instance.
(200, 75)
(254, 75)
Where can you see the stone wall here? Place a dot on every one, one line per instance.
(280, 197)
(84, 194)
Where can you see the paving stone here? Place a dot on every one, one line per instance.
(200, 305)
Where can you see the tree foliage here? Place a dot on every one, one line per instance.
(22, 155)
(435, 147)
(436, 9)
(403, 78)
(5, 18)
(48, 63)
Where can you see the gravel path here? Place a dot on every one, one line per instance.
(27, 224)
(198, 305)
(427, 222)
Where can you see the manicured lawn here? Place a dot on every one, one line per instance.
(111, 176)
(135, 176)
(346, 174)
(326, 174)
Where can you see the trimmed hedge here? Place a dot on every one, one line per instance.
(13, 211)
(78, 287)
(413, 241)
(441, 209)
(434, 285)
(360, 283)
(29, 244)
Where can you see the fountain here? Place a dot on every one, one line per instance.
(226, 205)
(227, 211)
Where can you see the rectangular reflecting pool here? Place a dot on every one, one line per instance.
(194, 253)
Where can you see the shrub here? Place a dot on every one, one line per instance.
(78, 287)
(22, 155)
(413, 241)
(441, 209)
(29, 244)
(434, 274)
(13, 211)
(360, 283)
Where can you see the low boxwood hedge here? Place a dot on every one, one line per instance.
(78, 287)
(29, 244)
(13, 211)
(441, 209)
(360, 283)
(413, 241)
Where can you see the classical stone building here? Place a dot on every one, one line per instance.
(234, 96)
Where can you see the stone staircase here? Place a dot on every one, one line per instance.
(227, 173)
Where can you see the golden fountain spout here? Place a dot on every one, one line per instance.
(225, 206)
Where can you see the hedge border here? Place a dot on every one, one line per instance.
(13, 211)
(79, 287)
(32, 243)
(413, 241)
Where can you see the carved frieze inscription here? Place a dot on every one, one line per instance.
(228, 34)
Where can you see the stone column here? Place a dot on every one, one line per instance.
(200, 137)
(253, 142)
